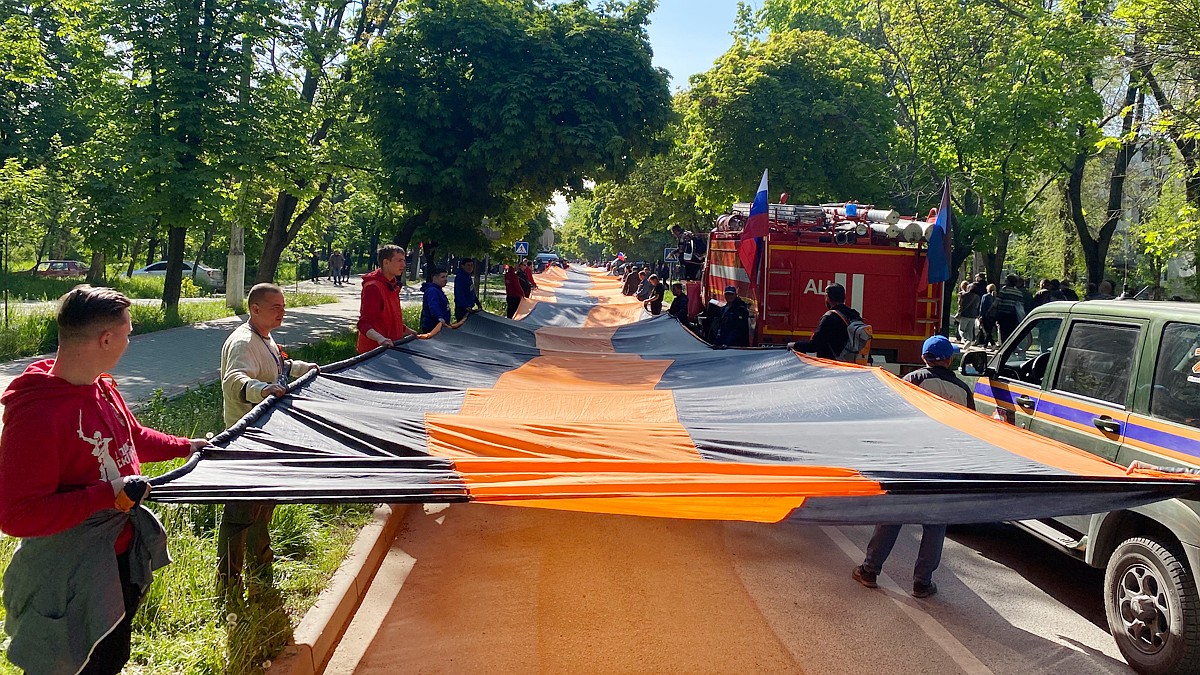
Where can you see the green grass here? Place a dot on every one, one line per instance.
(181, 628)
(31, 330)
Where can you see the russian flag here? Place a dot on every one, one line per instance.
(941, 241)
(757, 227)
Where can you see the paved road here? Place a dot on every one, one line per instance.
(479, 588)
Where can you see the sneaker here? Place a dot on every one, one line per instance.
(921, 590)
(862, 576)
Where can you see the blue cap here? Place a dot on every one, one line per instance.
(731, 289)
(938, 347)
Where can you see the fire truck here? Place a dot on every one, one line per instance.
(878, 256)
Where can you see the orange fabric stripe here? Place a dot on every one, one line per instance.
(582, 419)
(596, 340)
(1015, 440)
(622, 372)
(750, 509)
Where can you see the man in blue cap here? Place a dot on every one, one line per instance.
(936, 377)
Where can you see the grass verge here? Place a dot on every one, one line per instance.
(181, 628)
(32, 331)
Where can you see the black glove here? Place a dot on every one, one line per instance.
(134, 491)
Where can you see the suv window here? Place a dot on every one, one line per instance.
(1097, 360)
(1029, 354)
(1176, 393)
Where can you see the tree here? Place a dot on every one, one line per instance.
(482, 108)
(185, 62)
(810, 107)
(986, 93)
(1167, 59)
(319, 130)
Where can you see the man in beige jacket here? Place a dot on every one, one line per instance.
(253, 367)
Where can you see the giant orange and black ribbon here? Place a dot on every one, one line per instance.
(588, 404)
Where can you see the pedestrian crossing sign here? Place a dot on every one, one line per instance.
(521, 247)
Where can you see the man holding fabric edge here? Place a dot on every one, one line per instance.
(253, 367)
(935, 377)
(380, 319)
(465, 298)
(70, 484)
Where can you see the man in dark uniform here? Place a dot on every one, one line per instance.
(733, 323)
(831, 335)
(935, 377)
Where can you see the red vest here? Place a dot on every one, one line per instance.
(391, 322)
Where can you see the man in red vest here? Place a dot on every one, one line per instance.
(380, 320)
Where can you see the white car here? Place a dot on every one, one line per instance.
(206, 277)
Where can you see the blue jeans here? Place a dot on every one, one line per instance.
(928, 558)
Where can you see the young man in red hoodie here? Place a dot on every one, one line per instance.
(513, 292)
(70, 465)
(380, 319)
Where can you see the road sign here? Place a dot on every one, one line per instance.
(521, 247)
(669, 253)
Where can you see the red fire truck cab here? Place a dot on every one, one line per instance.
(878, 256)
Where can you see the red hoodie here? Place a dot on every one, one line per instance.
(61, 445)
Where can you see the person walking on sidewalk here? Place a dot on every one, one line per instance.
(71, 487)
(380, 320)
(335, 267)
(936, 377)
(465, 298)
(253, 367)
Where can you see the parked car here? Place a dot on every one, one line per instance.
(1121, 380)
(206, 277)
(60, 268)
(543, 260)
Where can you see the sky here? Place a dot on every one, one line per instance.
(687, 36)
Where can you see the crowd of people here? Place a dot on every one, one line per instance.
(985, 309)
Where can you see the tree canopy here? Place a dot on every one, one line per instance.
(483, 105)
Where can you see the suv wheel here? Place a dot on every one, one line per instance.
(1153, 609)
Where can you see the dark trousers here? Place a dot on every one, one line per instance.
(929, 556)
(1008, 323)
(513, 304)
(460, 312)
(111, 654)
(245, 525)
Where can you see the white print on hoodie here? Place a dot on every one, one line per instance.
(108, 468)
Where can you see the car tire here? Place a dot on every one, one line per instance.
(1152, 607)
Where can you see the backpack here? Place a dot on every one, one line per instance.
(858, 343)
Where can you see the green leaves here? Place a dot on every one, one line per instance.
(479, 103)
(810, 107)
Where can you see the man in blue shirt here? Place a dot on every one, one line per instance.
(435, 308)
(465, 298)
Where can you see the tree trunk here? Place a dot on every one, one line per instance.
(209, 231)
(276, 238)
(152, 250)
(1095, 248)
(176, 238)
(404, 237)
(96, 274)
(133, 254)
(284, 228)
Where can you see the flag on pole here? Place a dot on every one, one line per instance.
(941, 241)
(757, 227)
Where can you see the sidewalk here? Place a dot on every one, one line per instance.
(181, 358)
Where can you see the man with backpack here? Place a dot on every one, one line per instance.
(841, 335)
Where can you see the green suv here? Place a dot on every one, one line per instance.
(1119, 379)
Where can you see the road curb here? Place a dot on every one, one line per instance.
(315, 639)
